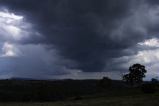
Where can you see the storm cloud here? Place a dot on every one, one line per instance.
(82, 36)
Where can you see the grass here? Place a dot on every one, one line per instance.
(136, 100)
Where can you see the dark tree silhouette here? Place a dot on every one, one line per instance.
(154, 80)
(135, 75)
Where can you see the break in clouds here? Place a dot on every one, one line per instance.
(46, 39)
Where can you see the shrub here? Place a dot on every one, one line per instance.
(148, 88)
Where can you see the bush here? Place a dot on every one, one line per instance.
(149, 88)
(154, 81)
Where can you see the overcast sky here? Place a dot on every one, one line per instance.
(56, 39)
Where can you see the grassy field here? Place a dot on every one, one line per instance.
(138, 100)
(74, 93)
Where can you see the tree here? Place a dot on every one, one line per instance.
(154, 80)
(135, 75)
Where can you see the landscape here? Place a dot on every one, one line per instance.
(132, 90)
(79, 53)
(18, 92)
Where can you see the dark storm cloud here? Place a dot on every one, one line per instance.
(153, 2)
(84, 31)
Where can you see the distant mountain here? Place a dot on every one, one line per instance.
(19, 78)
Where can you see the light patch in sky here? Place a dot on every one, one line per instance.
(14, 31)
(9, 50)
(10, 16)
(148, 57)
(154, 42)
(13, 26)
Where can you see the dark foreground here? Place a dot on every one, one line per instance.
(105, 92)
(138, 100)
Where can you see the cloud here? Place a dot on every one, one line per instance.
(9, 50)
(35, 61)
(90, 36)
(154, 42)
(148, 57)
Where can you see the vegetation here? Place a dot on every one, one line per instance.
(135, 75)
(142, 100)
(82, 92)
(33, 90)
(149, 88)
(61, 90)
(105, 83)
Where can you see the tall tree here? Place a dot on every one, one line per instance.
(135, 75)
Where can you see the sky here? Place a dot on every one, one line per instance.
(78, 39)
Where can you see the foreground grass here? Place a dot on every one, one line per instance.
(138, 100)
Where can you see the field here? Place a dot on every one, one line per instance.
(74, 93)
(138, 100)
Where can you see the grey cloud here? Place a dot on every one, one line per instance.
(34, 62)
(89, 33)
